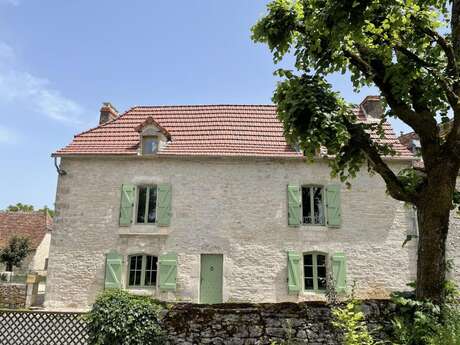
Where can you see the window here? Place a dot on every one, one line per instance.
(312, 205)
(314, 271)
(149, 145)
(142, 271)
(146, 204)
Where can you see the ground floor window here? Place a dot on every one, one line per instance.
(315, 271)
(142, 270)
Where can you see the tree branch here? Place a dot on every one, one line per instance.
(376, 71)
(361, 139)
(447, 48)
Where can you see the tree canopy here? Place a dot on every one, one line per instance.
(15, 252)
(409, 50)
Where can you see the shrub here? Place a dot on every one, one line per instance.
(425, 323)
(350, 319)
(448, 331)
(118, 317)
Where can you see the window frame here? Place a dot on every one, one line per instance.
(143, 271)
(314, 255)
(312, 206)
(144, 138)
(147, 200)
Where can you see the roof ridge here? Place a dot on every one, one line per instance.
(203, 105)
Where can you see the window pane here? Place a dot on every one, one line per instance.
(137, 280)
(139, 263)
(135, 269)
(308, 259)
(308, 272)
(141, 204)
(151, 271)
(150, 145)
(318, 205)
(131, 277)
(152, 205)
(322, 272)
(321, 283)
(321, 260)
(308, 283)
(306, 205)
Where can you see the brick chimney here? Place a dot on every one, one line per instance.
(108, 113)
(372, 106)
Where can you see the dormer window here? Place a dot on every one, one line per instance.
(153, 137)
(149, 145)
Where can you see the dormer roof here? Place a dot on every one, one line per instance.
(150, 121)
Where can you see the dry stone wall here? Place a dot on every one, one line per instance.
(302, 323)
(13, 295)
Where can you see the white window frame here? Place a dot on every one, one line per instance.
(323, 196)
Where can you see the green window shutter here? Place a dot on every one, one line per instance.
(128, 192)
(294, 205)
(293, 272)
(168, 271)
(333, 206)
(164, 204)
(339, 271)
(113, 269)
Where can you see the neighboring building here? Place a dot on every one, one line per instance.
(210, 204)
(34, 225)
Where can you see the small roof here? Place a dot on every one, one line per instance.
(201, 130)
(32, 225)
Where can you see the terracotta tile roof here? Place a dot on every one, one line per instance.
(32, 225)
(199, 130)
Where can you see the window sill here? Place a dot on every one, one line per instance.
(144, 230)
(142, 291)
(138, 233)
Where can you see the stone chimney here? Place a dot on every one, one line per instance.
(108, 113)
(372, 106)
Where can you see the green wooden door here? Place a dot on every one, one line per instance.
(211, 278)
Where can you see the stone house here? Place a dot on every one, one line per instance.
(210, 204)
(34, 225)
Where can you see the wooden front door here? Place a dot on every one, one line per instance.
(211, 278)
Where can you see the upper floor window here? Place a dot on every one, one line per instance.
(313, 205)
(149, 145)
(315, 270)
(142, 271)
(146, 204)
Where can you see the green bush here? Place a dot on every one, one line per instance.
(425, 323)
(118, 317)
(414, 321)
(350, 319)
(448, 331)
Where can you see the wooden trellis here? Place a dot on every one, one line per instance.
(42, 328)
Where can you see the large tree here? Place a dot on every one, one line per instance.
(409, 50)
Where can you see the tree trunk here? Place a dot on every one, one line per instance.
(433, 217)
(9, 267)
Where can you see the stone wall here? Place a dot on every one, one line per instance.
(13, 295)
(303, 323)
(234, 207)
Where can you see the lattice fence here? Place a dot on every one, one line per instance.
(42, 328)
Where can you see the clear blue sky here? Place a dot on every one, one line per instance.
(59, 60)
